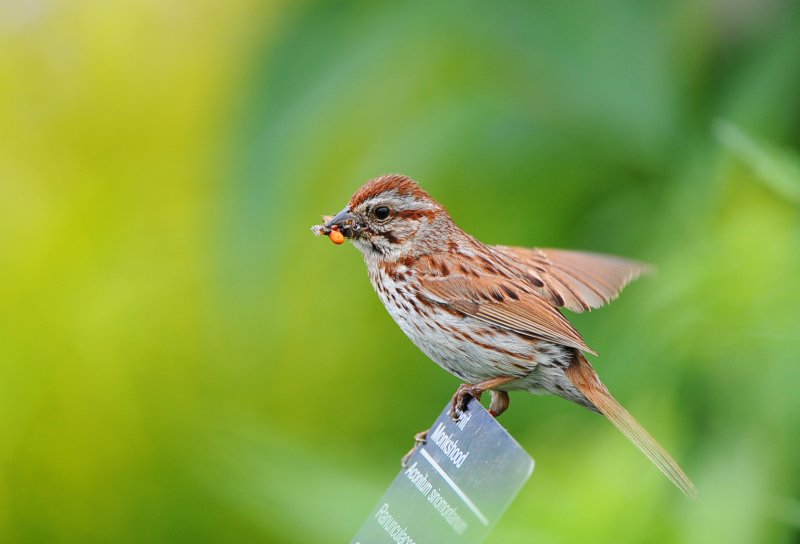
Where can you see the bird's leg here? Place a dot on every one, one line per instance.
(419, 439)
(465, 391)
(500, 402)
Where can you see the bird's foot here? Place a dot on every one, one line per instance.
(461, 399)
(419, 439)
(499, 404)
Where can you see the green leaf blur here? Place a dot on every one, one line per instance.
(182, 361)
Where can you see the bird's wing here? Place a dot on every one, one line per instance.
(576, 280)
(498, 299)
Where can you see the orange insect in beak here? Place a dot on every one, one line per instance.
(336, 236)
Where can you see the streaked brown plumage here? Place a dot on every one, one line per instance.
(489, 314)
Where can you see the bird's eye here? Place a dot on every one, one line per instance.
(382, 213)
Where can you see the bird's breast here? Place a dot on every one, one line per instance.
(460, 344)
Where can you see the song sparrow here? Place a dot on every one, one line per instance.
(489, 314)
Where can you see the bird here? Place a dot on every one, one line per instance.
(489, 314)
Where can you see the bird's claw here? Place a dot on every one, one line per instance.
(499, 404)
(460, 400)
(419, 439)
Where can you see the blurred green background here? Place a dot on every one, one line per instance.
(181, 360)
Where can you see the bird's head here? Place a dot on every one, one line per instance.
(391, 217)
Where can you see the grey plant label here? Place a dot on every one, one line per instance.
(454, 487)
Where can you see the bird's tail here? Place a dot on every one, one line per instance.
(581, 373)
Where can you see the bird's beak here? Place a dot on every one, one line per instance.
(345, 221)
